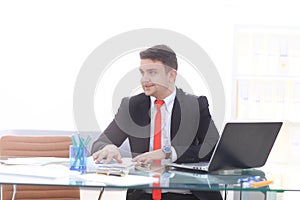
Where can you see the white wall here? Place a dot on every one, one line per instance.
(43, 45)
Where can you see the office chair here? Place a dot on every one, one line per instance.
(37, 146)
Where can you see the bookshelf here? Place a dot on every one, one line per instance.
(266, 75)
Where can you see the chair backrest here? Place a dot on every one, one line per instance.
(31, 146)
(37, 146)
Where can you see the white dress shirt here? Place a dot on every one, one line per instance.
(166, 113)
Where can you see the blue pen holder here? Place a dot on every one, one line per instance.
(78, 155)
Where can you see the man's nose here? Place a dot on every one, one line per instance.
(145, 78)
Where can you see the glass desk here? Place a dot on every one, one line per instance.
(284, 176)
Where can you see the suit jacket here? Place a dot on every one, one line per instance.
(193, 133)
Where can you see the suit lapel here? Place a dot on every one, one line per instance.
(144, 120)
(176, 113)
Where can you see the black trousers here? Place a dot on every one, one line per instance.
(196, 195)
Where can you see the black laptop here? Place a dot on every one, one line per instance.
(242, 145)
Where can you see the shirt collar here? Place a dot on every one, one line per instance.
(169, 101)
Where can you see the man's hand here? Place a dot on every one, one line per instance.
(109, 152)
(149, 156)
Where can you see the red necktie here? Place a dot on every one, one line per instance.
(156, 193)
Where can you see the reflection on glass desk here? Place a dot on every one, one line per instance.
(284, 176)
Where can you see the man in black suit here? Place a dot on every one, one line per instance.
(188, 133)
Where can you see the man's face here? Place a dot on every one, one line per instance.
(155, 80)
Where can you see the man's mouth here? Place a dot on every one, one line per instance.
(146, 86)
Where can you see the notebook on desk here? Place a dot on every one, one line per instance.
(242, 145)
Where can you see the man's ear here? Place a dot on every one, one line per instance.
(173, 74)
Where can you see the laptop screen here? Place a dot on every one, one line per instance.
(244, 145)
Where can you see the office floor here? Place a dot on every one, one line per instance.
(93, 194)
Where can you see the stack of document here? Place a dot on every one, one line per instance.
(42, 167)
(35, 161)
(128, 180)
(49, 170)
(114, 173)
(126, 165)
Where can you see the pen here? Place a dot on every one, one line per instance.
(249, 179)
(143, 165)
(111, 174)
(261, 184)
(74, 141)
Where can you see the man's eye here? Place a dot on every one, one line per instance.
(152, 72)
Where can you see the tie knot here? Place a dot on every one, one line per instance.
(159, 102)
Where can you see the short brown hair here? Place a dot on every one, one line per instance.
(161, 53)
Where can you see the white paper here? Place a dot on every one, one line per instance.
(128, 180)
(34, 161)
(46, 171)
(126, 164)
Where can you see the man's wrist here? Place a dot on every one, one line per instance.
(167, 151)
